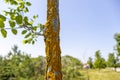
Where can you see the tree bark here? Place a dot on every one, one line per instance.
(52, 41)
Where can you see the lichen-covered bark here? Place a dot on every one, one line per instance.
(52, 41)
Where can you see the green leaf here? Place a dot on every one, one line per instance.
(31, 22)
(15, 3)
(6, 0)
(2, 17)
(25, 41)
(18, 9)
(4, 33)
(19, 19)
(41, 27)
(26, 20)
(26, 10)
(6, 13)
(12, 16)
(28, 3)
(35, 16)
(28, 35)
(2, 25)
(22, 5)
(33, 42)
(12, 24)
(12, 2)
(35, 28)
(14, 31)
(29, 40)
(24, 31)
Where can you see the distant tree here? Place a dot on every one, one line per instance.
(16, 66)
(98, 54)
(99, 61)
(90, 62)
(117, 38)
(1, 59)
(71, 61)
(117, 48)
(71, 67)
(111, 62)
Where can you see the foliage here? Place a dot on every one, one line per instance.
(69, 60)
(117, 38)
(90, 62)
(71, 67)
(18, 65)
(117, 48)
(16, 18)
(111, 62)
(99, 61)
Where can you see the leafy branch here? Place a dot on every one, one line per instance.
(16, 18)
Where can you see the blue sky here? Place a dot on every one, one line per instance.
(86, 26)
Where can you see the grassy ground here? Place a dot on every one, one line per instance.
(104, 74)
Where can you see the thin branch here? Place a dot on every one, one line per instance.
(39, 34)
(31, 29)
(28, 28)
(11, 28)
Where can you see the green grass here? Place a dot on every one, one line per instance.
(104, 74)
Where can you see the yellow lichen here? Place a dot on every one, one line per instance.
(52, 42)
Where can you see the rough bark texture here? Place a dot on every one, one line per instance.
(52, 41)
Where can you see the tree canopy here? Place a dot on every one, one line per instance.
(99, 61)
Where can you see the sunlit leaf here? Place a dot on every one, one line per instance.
(31, 22)
(2, 24)
(14, 3)
(12, 24)
(41, 27)
(29, 40)
(2, 17)
(26, 20)
(12, 16)
(35, 16)
(24, 31)
(22, 5)
(35, 28)
(26, 10)
(28, 3)
(4, 33)
(33, 42)
(25, 41)
(19, 19)
(28, 35)
(7, 0)
(14, 31)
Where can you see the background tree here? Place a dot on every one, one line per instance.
(117, 38)
(18, 65)
(117, 48)
(99, 61)
(71, 68)
(90, 62)
(111, 60)
(15, 16)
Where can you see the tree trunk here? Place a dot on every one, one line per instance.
(52, 41)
